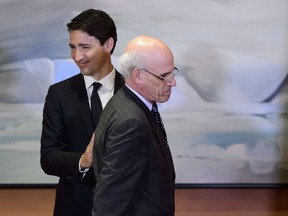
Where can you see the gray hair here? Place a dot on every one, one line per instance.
(129, 61)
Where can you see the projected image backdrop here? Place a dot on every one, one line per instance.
(227, 117)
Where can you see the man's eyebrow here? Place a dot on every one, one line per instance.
(165, 74)
(81, 45)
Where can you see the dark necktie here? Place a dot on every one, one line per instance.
(96, 105)
(158, 118)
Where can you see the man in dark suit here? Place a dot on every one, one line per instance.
(67, 141)
(132, 161)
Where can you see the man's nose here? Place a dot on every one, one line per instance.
(172, 82)
(77, 55)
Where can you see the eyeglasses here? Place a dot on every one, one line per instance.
(168, 79)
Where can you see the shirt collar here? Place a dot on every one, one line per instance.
(149, 105)
(107, 82)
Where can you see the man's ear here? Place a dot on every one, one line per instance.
(109, 44)
(136, 75)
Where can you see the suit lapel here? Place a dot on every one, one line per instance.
(119, 81)
(160, 136)
(163, 142)
(80, 97)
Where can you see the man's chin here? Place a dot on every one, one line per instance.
(163, 99)
(84, 72)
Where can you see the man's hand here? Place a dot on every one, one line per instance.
(86, 159)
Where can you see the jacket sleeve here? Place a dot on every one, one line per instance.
(55, 159)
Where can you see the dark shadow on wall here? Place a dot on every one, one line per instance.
(26, 81)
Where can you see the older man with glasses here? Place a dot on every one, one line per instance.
(132, 161)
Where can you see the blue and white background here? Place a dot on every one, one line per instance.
(227, 117)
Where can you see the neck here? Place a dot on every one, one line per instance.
(138, 89)
(102, 72)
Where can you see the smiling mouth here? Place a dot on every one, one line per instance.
(82, 65)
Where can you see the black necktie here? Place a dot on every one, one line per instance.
(158, 118)
(96, 105)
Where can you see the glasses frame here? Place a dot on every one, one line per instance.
(167, 78)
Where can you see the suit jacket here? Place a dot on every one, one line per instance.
(67, 130)
(132, 162)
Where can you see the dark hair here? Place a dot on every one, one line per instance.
(96, 23)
